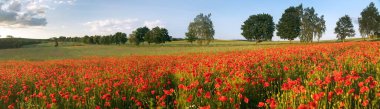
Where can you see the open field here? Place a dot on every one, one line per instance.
(47, 51)
(325, 75)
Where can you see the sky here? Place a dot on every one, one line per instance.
(53, 18)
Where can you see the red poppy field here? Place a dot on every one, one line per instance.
(331, 75)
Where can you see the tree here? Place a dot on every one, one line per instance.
(312, 26)
(190, 37)
(9, 36)
(120, 38)
(258, 27)
(55, 42)
(123, 38)
(86, 39)
(62, 38)
(202, 28)
(132, 38)
(165, 35)
(91, 40)
(344, 28)
(97, 39)
(149, 36)
(307, 28)
(369, 21)
(288, 26)
(320, 28)
(157, 35)
(140, 34)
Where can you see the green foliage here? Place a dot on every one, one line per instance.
(320, 27)
(85, 39)
(120, 38)
(140, 34)
(165, 35)
(117, 38)
(190, 37)
(289, 24)
(132, 38)
(258, 27)
(11, 42)
(369, 22)
(157, 35)
(202, 28)
(77, 50)
(344, 28)
(55, 42)
(312, 25)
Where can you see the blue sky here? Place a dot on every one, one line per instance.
(89, 17)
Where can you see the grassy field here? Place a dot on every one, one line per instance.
(47, 51)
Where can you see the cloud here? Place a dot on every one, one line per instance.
(70, 2)
(152, 24)
(25, 13)
(110, 26)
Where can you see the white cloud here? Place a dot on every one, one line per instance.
(109, 26)
(24, 13)
(70, 2)
(152, 24)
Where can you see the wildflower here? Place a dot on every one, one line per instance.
(261, 104)
(189, 98)
(222, 98)
(208, 95)
(246, 100)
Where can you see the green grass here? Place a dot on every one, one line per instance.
(47, 51)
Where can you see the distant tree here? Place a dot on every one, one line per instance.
(369, 22)
(320, 28)
(132, 38)
(312, 26)
(288, 26)
(344, 28)
(62, 38)
(123, 38)
(308, 21)
(140, 34)
(165, 35)
(86, 39)
(103, 40)
(190, 37)
(97, 39)
(258, 27)
(202, 27)
(91, 40)
(56, 42)
(157, 35)
(116, 39)
(9, 36)
(149, 36)
(154, 35)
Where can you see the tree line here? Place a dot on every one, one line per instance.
(11, 42)
(143, 34)
(306, 24)
(296, 22)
